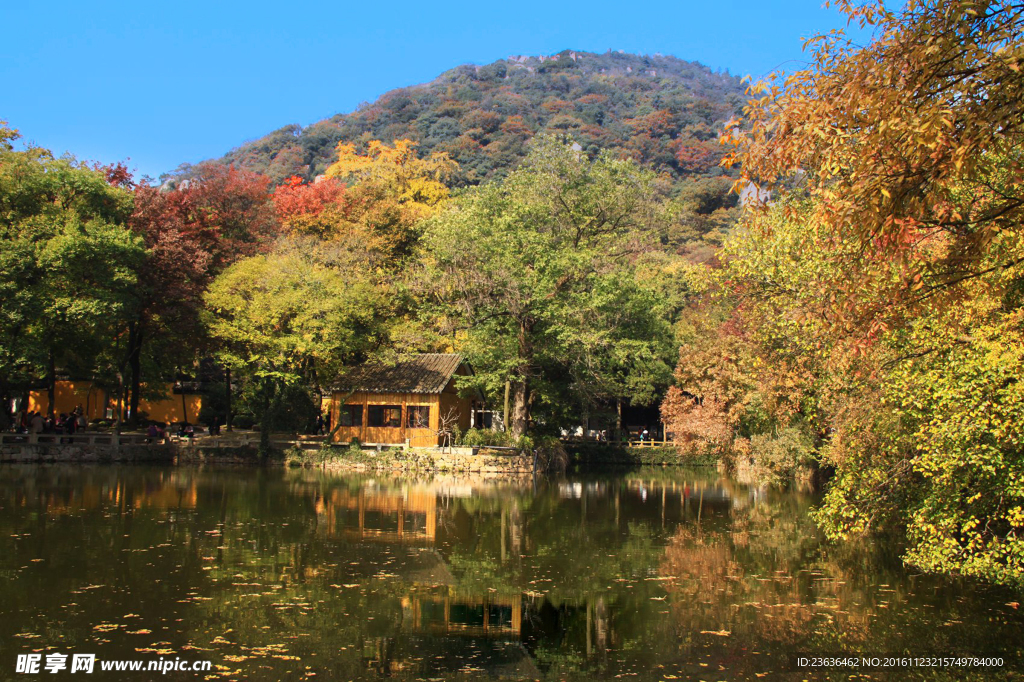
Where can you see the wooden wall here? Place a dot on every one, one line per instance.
(438, 404)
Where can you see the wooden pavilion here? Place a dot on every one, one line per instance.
(408, 402)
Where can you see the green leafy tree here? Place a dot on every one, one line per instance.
(535, 276)
(69, 268)
(289, 319)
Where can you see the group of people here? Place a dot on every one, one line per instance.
(643, 434)
(69, 423)
(32, 421)
(157, 432)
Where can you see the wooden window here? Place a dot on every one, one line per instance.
(384, 415)
(419, 417)
(351, 415)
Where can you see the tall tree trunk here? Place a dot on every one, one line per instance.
(184, 405)
(268, 406)
(264, 451)
(505, 414)
(520, 420)
(7, 415)
(520, 407)
(135, 365)
(227, 387)
(119, 412)
(51, 384)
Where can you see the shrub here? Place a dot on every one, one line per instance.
(550, 453)
(476, 438)
(777, 456)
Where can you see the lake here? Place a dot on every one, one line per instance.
(299, 574)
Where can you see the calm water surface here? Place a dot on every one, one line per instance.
(276, 575)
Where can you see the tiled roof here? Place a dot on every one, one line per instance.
(424, 373)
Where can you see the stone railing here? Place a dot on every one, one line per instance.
(73, 439)
(233, 440)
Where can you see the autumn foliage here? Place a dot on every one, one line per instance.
(872, 309)
(910, 146)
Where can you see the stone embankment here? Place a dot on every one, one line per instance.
(86, 448)
(240, 449)
(456, 459)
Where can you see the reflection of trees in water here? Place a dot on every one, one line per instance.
(713, 591)
(608, 576)
(767, 583)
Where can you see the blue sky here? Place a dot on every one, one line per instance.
(162, 83)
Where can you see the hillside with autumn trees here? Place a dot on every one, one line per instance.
(662, 111)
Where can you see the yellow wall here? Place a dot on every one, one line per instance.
(69, 395)
(397, 436)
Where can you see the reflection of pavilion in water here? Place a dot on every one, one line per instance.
(406, 515)
(409, 515)
(444, 610)
(442, 626)
(443, 623)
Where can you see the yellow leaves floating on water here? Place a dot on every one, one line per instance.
(278, 651)
(158, 652)
(719, 633)
(193, 647)
(223, 671)
(106, 627)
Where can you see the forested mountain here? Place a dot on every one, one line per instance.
(662, 111)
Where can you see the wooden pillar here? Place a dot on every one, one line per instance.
(366, 418)
(405, 416)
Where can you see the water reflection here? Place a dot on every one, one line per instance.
(288, 574)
